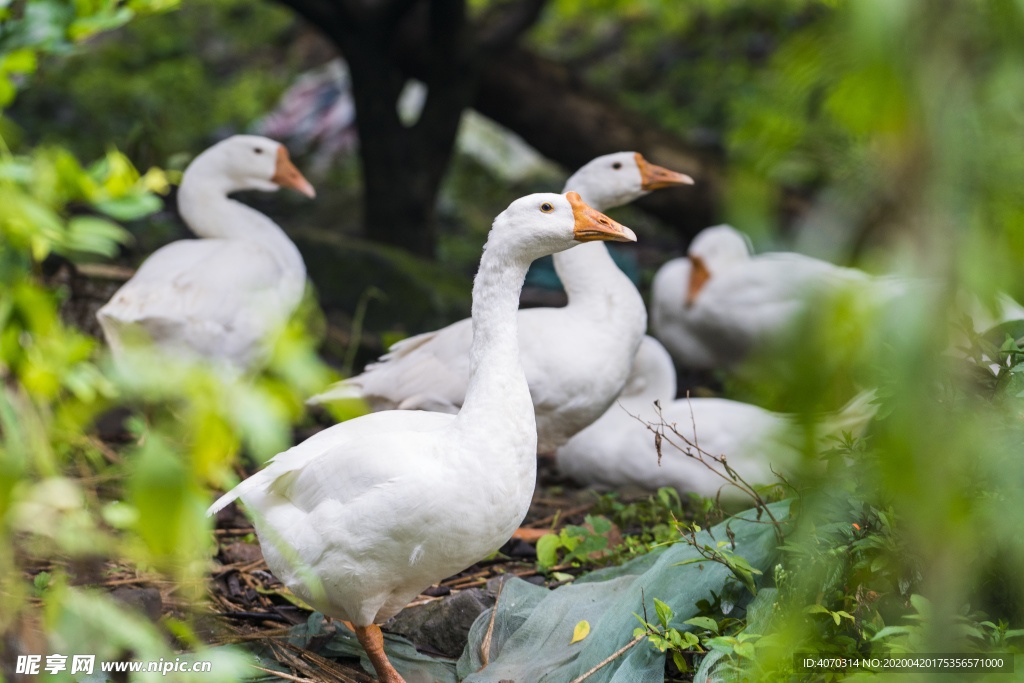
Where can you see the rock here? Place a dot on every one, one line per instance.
(145, 600)
(518, 549)
(241, 552)
(443, 625)
(111, 426)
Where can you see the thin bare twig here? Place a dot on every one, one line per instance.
(608, 660)
(485, 646)
(561, 513)
(693, 421)
(692, 449)
(287, 677)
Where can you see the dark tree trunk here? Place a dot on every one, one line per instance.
(571, 123)
(403, 165)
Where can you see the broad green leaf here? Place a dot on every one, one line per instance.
(88, 26)
(94, 235)
(706, 623)
(41, 581)
(600, 524)
(18, 61)
(664, 612)
(657, 642)
(130, 207)
(547, 550)
(921, 604)
(889, 631)
(741, 562)
(744, 650)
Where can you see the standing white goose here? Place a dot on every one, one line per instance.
(618, 449)
(222, 297)
(576, 358)
(362, 517)
(713, 307)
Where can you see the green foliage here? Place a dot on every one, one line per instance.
(645, 524)
(682, 64)
(188, 422)
(721, 553)
(578, 544)
(166, 85)
(703, 635)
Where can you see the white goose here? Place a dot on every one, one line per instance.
(711, 308)
(362, 517)
(576, 358)
(224, 296)
(618, 449)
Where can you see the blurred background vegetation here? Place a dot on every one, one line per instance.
(881, 133)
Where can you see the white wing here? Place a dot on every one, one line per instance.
(216, 298)
(341, 444)
(428, 371)
(570, 364)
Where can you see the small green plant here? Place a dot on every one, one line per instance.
(706, 634)
(720, 552)
(575, 544)
(645, 524)
(974, 629)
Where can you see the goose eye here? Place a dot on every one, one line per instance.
(617, 165)
(257, 150)
(546, 208)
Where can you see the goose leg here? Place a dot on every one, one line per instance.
(372, 641)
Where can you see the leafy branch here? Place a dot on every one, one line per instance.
(719, 553)
(665, 432)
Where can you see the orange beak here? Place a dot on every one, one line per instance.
(699, 276)
(655, 177)
(592, 225)
(286, 175)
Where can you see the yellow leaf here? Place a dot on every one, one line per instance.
(581, 631)
(156, 180)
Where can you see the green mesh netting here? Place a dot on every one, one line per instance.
(533, 626)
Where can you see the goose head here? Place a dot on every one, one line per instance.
(546, 223)
(616, 179)
(248, 162)
(713, 250)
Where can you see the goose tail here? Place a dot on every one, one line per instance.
(854, 416)
(240, 491)
(337, 392)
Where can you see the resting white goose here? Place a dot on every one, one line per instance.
(362, 517)
(576, 358)
(618, 450)
(222, 297)
(712, 307)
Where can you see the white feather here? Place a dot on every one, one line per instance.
(576, 358)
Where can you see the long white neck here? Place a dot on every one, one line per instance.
(592, 281)
(498, 395)
(206, 209)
